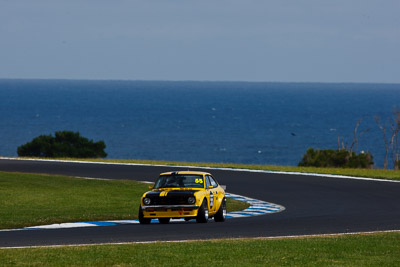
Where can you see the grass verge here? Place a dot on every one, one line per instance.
(36, 199)
(351, 250)
(369, 173)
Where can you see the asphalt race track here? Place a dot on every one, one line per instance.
(314, 205)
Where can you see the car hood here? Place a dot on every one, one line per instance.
(171, 192)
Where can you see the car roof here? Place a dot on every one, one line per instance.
(186, 172)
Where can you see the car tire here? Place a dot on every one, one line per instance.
(202, 214)
(143, 220)
(164, 220)
(220, 216)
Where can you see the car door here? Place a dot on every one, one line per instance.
(217, 192)
(210, 195)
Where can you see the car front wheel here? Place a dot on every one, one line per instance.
(143, 220)
(202, 214)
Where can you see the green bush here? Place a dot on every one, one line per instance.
(64, 144)
(336, 158)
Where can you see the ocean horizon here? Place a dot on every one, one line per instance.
(199, 121)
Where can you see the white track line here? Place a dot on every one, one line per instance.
(208, 240)
(212, 168)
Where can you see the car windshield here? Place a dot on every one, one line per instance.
(179, 180)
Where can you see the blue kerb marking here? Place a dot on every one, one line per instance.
(102, 223)
(257, 207)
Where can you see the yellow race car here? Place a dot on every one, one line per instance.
(184, 194)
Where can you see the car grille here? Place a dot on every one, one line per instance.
(176, 200)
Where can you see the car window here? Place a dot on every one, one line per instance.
(176, 180)
(208, 183)
(213, 182)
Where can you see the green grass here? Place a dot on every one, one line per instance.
(370, 173)
(355, 250)
(35, 199)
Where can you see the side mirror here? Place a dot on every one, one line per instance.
(223, 187)
(150, 187)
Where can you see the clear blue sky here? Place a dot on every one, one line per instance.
(287, 41)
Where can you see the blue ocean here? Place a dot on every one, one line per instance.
(239, 122)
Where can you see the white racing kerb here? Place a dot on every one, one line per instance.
(257, 207)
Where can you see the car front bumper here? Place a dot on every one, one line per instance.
(170, 211)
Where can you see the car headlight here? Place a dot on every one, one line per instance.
(146, 201)
(191, 200)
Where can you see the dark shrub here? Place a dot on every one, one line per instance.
(336, 158)
(64, 144)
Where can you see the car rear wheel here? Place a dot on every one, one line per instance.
(164, 220)
(143, 220)
(221, 214)
(202, 214)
